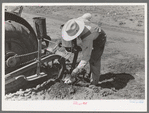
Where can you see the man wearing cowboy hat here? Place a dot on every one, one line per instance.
(92, 44)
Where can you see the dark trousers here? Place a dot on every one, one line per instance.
(95, 60)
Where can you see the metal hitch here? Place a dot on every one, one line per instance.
(40, 27)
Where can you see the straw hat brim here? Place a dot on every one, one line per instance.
(67, 37)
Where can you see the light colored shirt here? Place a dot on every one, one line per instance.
(87, 46)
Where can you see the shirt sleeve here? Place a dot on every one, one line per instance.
(87, 45)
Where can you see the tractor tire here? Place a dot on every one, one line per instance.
(18, 40)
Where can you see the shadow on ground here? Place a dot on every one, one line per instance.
(117, 81)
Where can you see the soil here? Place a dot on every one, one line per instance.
(123, 60)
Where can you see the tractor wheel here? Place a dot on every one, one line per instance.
(18, 41)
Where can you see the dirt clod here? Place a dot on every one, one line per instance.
(71, 90)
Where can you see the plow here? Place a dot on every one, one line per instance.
(30, 55)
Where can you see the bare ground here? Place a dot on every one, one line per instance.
(123, 60)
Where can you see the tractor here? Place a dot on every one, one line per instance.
(29, 54)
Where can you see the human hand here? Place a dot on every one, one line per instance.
(75, 72)
(69, 79)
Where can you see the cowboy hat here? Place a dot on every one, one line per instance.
(86, 17)
(72, 29)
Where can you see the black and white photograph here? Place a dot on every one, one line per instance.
(83, 56)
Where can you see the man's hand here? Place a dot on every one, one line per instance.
(75, 72)
(69, 79)
(72, 78)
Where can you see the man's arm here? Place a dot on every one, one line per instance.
(87, 45)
